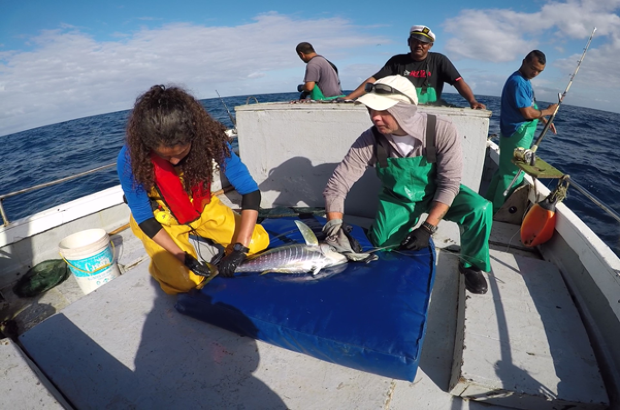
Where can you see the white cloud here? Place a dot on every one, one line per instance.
(488, 35)
(501, 35)
(70, 75)
(256, 75)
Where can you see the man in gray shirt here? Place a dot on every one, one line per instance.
(321, 81)
(419, 161)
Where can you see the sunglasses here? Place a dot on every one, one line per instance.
(384, 89)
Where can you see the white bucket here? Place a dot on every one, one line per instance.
(90, 257)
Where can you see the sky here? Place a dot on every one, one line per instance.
(68, 59)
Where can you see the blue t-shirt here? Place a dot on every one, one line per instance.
(517, 93)
(137, 198)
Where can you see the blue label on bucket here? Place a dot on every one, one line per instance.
(88, 266)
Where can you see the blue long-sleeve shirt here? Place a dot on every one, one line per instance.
(137, 198)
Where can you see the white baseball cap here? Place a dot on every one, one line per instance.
(422, 33)
(389, 91)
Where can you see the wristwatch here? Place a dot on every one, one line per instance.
(431, 228)
(240, 248)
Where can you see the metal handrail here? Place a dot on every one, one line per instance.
(58, 181)
(247, 102)
(591, 197)
(595, 200)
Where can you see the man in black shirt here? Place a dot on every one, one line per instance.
(427, 71)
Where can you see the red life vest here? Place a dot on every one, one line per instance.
(169, 185)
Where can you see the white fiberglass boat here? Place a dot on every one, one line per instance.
(545, 336)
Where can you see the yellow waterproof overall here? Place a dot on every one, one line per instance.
(217, 222)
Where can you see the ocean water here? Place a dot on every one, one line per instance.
(585, 148)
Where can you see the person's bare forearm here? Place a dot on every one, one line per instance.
(437, 212)
(463, 88)
(531, 113)
(309, 86)
(359, 91)
(334, 215)
(246, 228)
(165, 241)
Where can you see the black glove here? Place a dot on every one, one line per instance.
(201, 269)
(416, 239)
(300, 87)
(230, 262)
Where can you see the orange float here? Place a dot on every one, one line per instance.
(539, 222)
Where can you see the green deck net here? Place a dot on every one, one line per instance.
(41, 278)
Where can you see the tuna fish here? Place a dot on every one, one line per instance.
(296, 258)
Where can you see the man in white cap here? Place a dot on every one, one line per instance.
(419, 161)
(427, 71)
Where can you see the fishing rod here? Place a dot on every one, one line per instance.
(534, 148)
(234, 123)
(561, 98)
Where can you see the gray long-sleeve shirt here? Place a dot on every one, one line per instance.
(361, 155)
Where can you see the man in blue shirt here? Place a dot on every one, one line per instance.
(518, 120)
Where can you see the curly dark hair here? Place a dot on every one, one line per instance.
(166, 117)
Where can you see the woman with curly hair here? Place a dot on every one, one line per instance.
(166, 170)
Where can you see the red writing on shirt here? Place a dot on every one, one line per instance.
(418, 74)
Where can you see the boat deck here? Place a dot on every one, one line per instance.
(125, 345)
(129, 345)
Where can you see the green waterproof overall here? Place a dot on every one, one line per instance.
(408, 187)
(426, 93)
(317, 94)
(522, 137)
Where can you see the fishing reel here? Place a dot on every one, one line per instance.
(523, 155)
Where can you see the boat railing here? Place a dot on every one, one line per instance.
(5, 219)
(579, 188)
(46, 184)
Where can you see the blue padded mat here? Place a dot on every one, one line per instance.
(371, 317)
